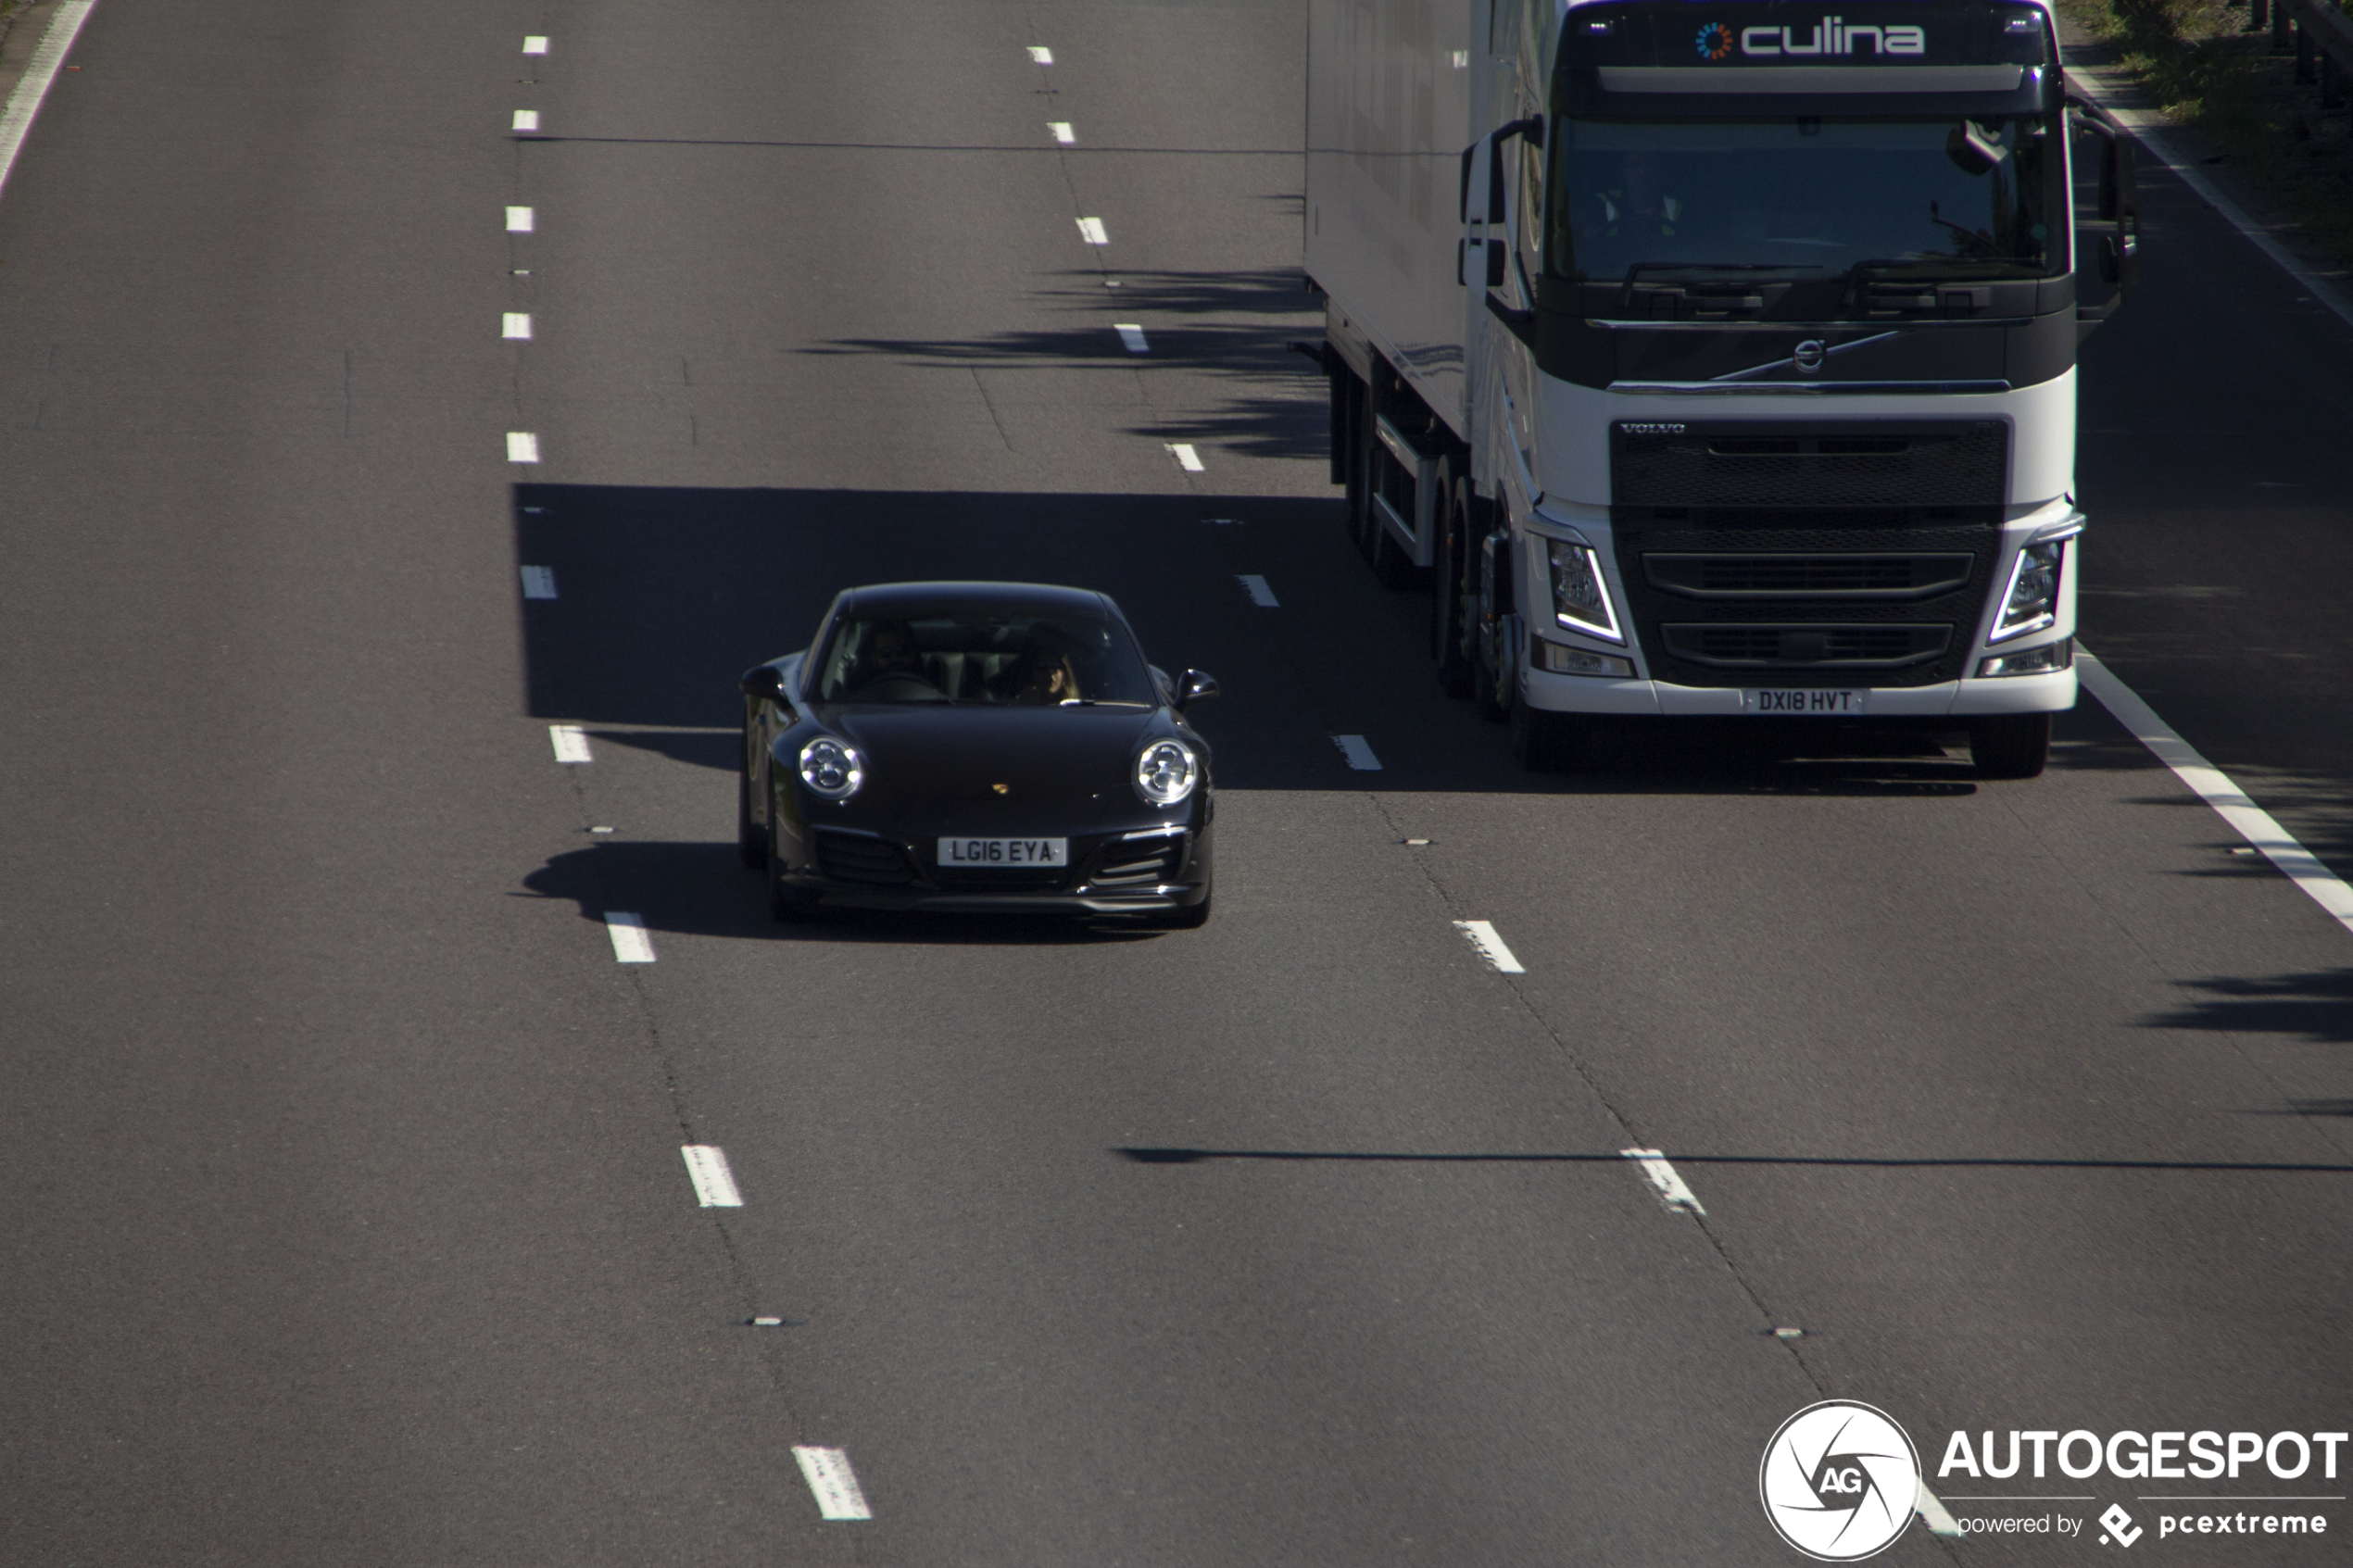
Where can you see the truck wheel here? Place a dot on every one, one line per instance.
(1446, 598)
(1490, 689)
(1544, 742)
(2010, 746)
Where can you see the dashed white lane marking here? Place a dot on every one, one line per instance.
(1360, 757)
(520, 220)
(1260, 595)
(631, 941)
(834, 1483)
(1132, 336)
(1482, 935)
(1091, 230)
(1040, 55)
(535, 44)
(526, 120)
(521, 446)
(2215, 788)
(539, 582)
(714, 1183)
(1938, 1518)
(1671, 1190)
(570, 740)
(48, 58)
(1187, 458)
(518, 324)
(1062, 131)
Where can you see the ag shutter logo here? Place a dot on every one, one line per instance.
(1714, 42)
(1840, 1481)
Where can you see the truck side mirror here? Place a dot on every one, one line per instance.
(2108, 214)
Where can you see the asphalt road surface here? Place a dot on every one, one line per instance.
(344, 1212)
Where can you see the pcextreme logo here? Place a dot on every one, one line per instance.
(1840, 1480)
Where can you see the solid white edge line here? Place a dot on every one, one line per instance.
(832, 1483)
(520, 220)
(1663, 1178)
(1187, 458)
(1092, 231)
(1934, 1514)
(539, 582)
(2214, 786)
(521, 446)
(714, 1183)
(631, 941)
(571, 743)
(526, 120)
(1132, 337)
(535, 44)
(1482, 936)
(1359, 754)
(518, 325)
(1260, 594)
(2148, 128)
(48, 58)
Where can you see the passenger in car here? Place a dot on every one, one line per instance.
(1042, 675)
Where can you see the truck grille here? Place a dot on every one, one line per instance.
(1726, 646)
(1841, 576)
(1743, 464)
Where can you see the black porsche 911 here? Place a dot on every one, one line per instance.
(991, 747)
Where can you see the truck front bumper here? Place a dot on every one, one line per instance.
(2053, 693)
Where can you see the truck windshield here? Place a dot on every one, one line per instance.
(1975, 197)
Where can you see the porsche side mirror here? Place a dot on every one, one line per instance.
(762, 681)
(1194, 686)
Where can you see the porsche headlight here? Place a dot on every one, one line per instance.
(1166, 771)
(832, 769)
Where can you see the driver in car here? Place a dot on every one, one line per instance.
(890, 651)
(1638, 209)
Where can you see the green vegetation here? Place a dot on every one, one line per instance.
(2207, 73)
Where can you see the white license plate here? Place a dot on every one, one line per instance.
(1804, 701)
(1004, 852)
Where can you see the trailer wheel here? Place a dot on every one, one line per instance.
(1448, 602)
(2010, 746)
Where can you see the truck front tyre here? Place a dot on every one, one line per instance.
(1448, 620)
(1544, 742)
(2010, 746)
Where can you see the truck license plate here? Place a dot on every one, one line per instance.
(1804, 701)
(1004, 852)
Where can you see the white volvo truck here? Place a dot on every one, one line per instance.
(1716, 360)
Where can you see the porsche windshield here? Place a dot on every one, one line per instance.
(1807, 197)
(985, 656)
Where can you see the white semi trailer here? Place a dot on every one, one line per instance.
(1718, 360)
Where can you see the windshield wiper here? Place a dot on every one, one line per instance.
(1626, 292)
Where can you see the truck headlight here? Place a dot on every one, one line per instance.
(1580, 601)
(2032, 602)
(832, 769)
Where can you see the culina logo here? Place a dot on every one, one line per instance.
(1840, 1481)
(1832, 36)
